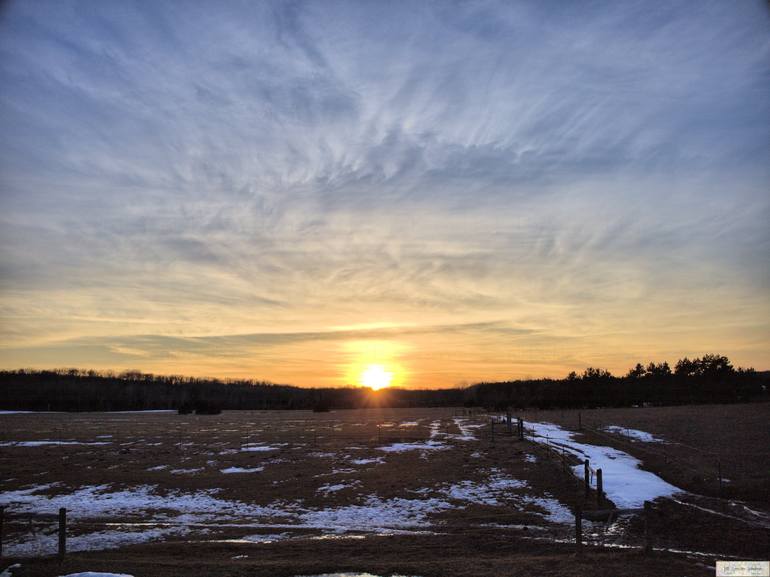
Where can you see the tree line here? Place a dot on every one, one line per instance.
(88, 390)
(709, 379)
(705, 380)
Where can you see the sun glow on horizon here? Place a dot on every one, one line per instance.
(374, 363)
(376, 377)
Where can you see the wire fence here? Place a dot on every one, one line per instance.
(58, 525)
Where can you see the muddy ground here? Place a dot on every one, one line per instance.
(320, 463)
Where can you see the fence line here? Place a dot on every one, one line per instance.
(62, 524)
(718, 466)
(60, 517)
(681, 462)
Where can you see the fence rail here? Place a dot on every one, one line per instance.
(590, 476)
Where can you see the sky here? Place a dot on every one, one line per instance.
(455, 191)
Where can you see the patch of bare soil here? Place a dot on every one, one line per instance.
(470, 555)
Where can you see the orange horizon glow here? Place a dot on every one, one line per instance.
(415, 359)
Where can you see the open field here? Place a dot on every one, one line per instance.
(697, 441)
(424, 492)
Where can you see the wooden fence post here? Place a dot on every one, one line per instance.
(587, 477)
(509, 421)
(521, 429)
(599, 488)
(62, 532)
(578, 530)
(647, 539)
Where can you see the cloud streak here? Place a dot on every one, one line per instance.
(285, 168)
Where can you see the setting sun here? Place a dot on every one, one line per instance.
(376, 377)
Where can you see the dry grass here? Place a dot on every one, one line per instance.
(700, 440)
(317, 449)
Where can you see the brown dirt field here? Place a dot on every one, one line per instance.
(490, 534)
(427, 556)
(699, 438)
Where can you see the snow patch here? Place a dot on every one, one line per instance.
(231, 470)
(39, 544)
(185, 471)
(624, 482)
(93, 574)
(634, 434)
(487, 493)
(258, 538)
(372, 461)
(100, 501)
(175, 411)
(465, 430)
(555, 511)
(417, 446)
(333, 488)
(376, 515)
(252, 448)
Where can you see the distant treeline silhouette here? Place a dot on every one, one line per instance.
(710, 379)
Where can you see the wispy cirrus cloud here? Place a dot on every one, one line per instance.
(596, 174)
